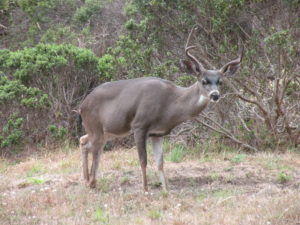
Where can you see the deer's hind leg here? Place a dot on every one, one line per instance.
(157, 145)
(97, 144)
(85, 148)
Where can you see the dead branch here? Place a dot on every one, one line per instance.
(2, 26)
(225, 132)
(259, 105)
(180, 132)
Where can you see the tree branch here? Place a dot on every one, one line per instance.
(226, 133)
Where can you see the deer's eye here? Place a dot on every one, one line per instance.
(220, 82)
(205, 82)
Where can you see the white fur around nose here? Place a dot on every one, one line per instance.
(213, 91)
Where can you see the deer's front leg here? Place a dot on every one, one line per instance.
(140, 140)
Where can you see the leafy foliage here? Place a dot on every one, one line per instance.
(85, 12)
(12, 131)
(14, 90)
(4, 4)
(57, 132)
(59, 34)
(44, 60)
(38, 81)
(36, 9)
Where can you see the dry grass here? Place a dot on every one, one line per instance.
(225, 188)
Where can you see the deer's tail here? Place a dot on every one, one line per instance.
(78, 126)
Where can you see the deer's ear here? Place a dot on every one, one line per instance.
(230, 70)
(189, 66)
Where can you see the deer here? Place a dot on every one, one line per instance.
(149, 108)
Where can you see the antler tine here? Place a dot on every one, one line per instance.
(190, 35)
(187, 48)
(235, 61)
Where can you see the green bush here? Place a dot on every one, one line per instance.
(14, 90)
(44, 82)
(42, 60)
(12, 131)
(84, 13)
(56, 132)
(36, 9)
(133, 59)
(280, 38)
(4, 4)
(59, 34)
(106, 66)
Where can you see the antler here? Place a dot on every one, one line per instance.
(235, 61)
(188, 48)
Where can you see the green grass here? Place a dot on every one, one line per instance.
(68, 166)
(104, 184)
(282, 177)
(214, 176)
(275, 164)
(37, 168)
(3, 165)
(177, 153)
(217, 194)
(238, 158)
(34, 180)
(124, 180)
(154, 214)
(101, 217)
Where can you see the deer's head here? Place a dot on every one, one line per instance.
(210, 80)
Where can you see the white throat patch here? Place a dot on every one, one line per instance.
(202, 100)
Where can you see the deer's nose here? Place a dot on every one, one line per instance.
(214, 96)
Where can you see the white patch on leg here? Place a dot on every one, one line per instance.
(157, 145)
(84, 139)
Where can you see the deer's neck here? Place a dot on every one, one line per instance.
(194, 100)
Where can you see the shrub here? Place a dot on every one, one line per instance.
(56, 132)
(14, 90)
(12, 131)
(4, 4)
(85, 12)
(44, 84)
(59, 34)
(106, 66)
(36, 9)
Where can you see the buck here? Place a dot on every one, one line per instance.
(147, 107)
